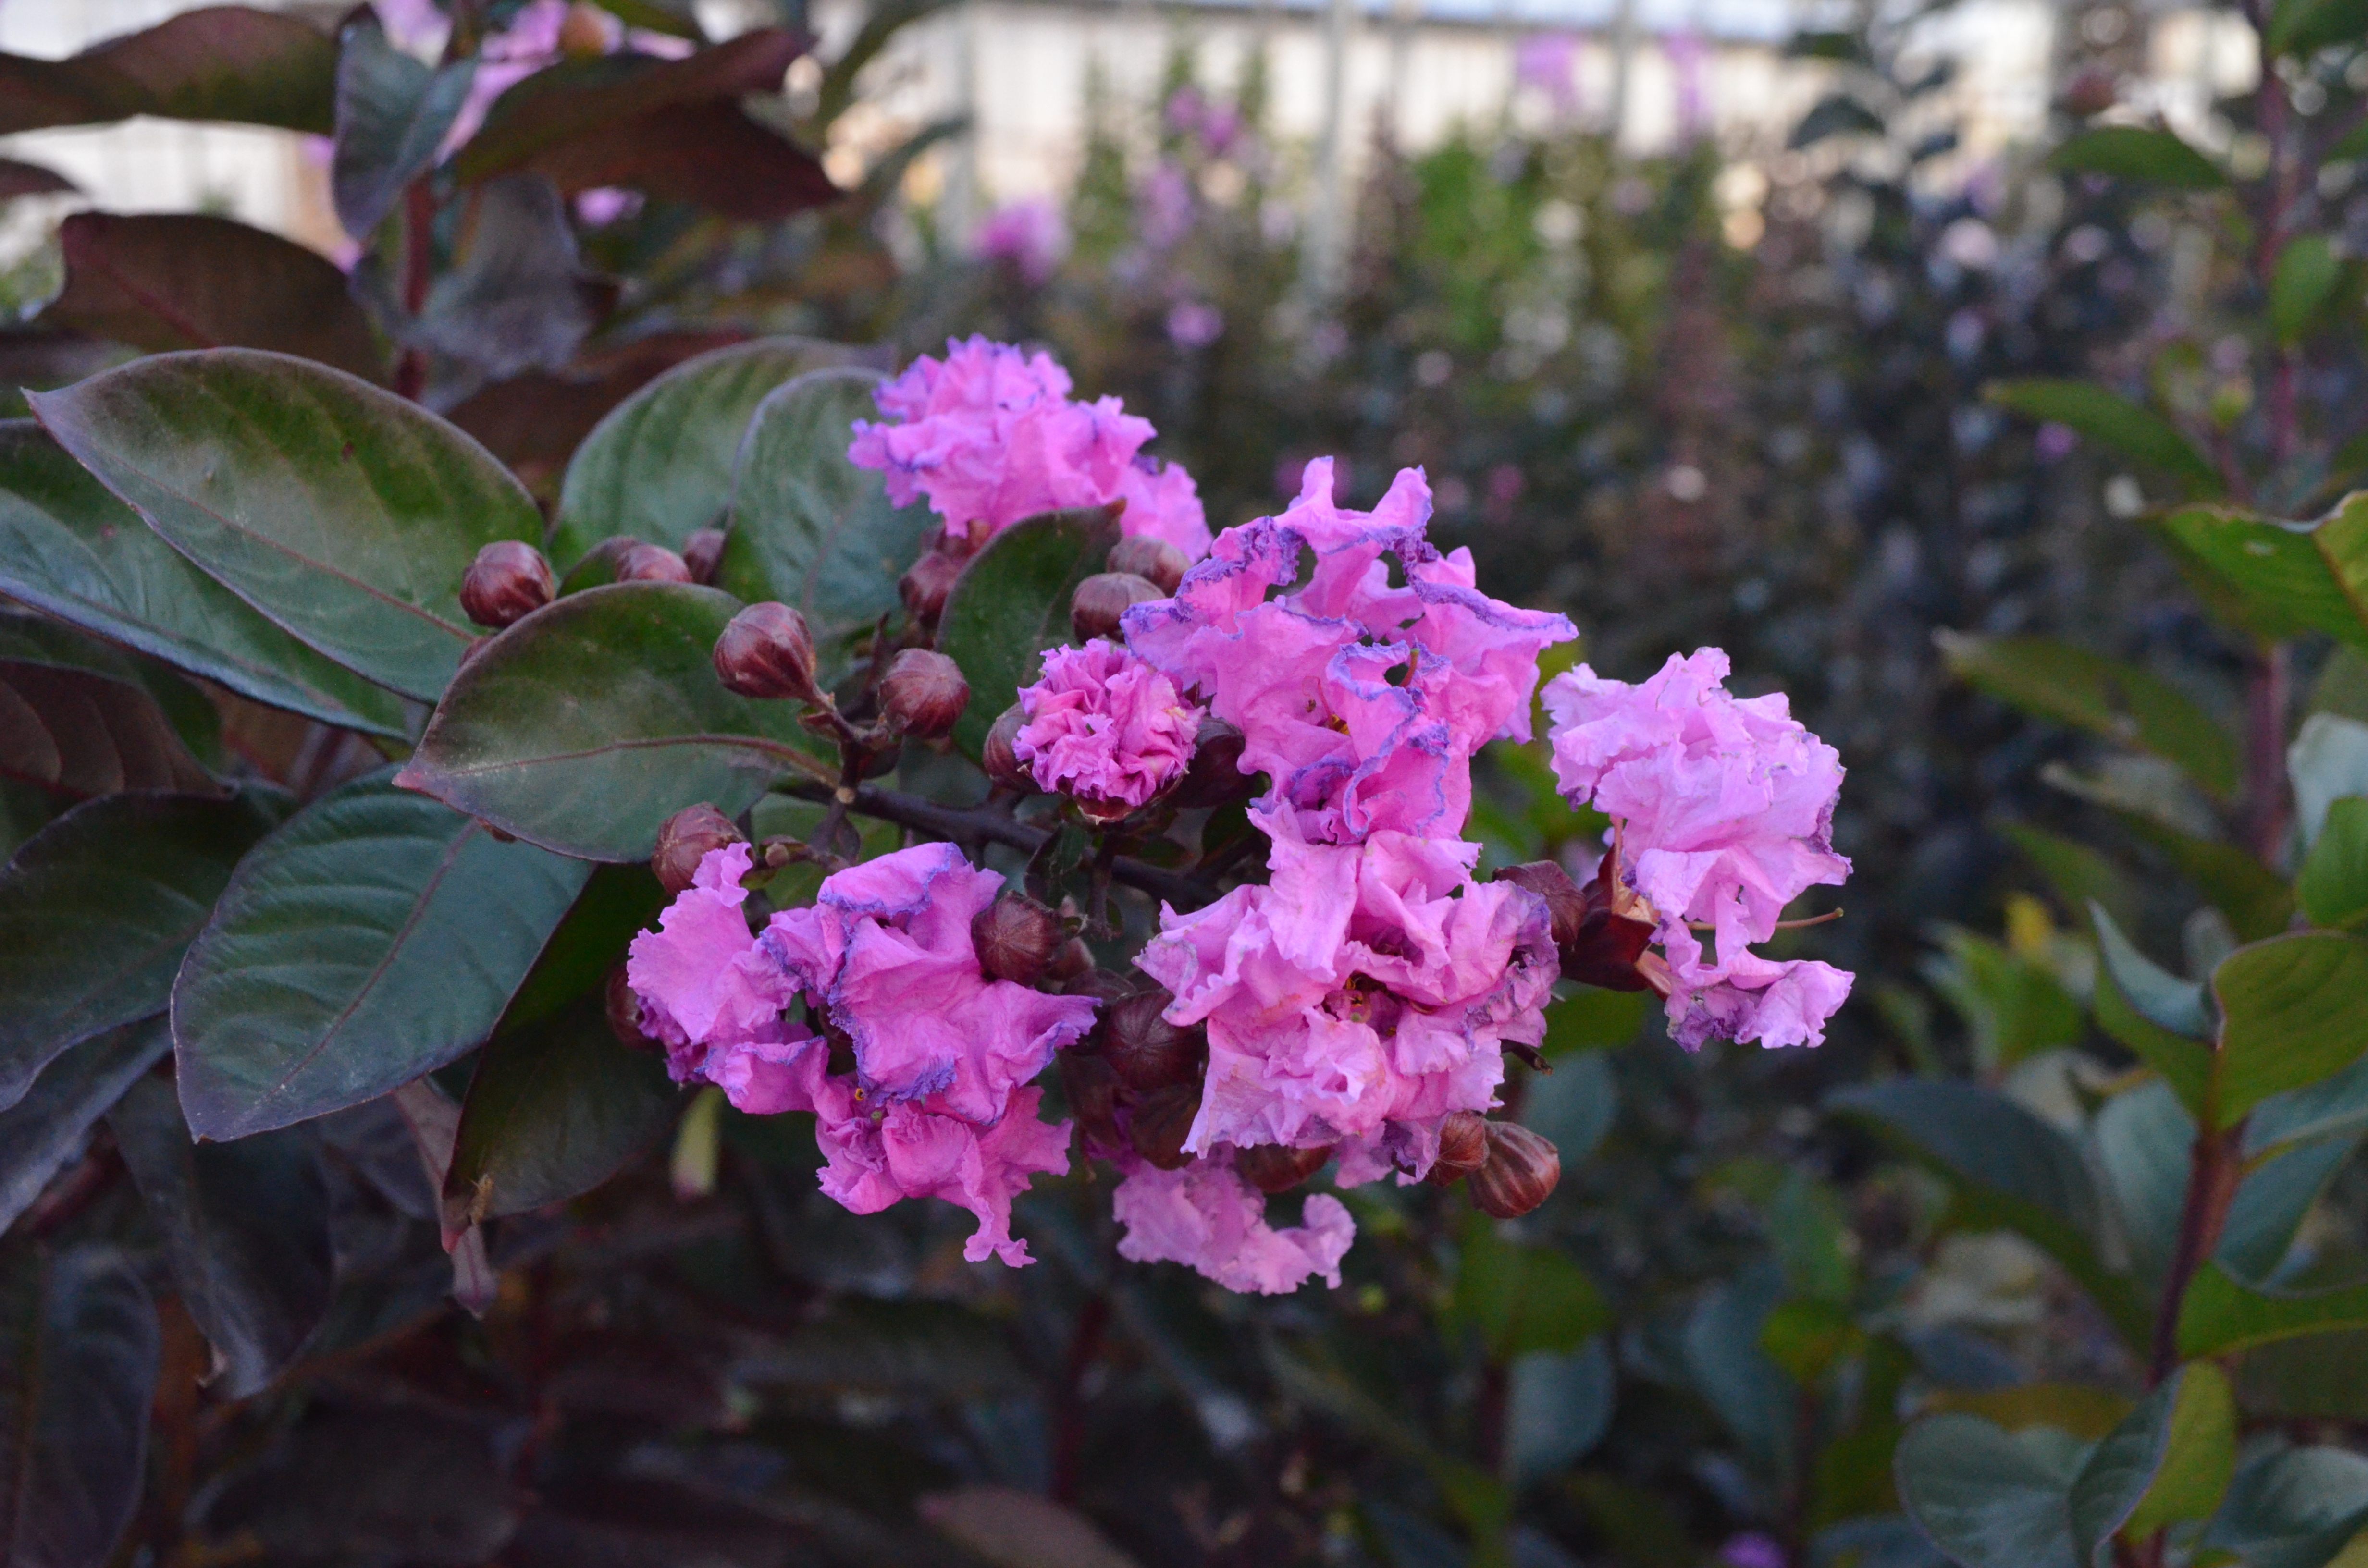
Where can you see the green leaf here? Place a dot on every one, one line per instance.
(2255, 899)
(2079, 874)
(2118, 1473)
(1522, 1299)
(1592, 1018)
(2270, 1205)
(71, 728)
(232, 63)
(2288, 577)
(2132, 151)
(553, 1110)
(659, 465)
(2306, 274)
(2108, 418)
(2333, 885)
(30, 638)
(345, 513)
(72, 549)
(2319, 1377)
(1811, 1239)
(79, 1349)
(2185, 1065)
(1574, 1106)
(1011, 603)
(95, 911)
(2295, 1010)
(2292, 1508)
(1987, 1497)
(375, 936)
(167, 281)
(1558, 1407)
(1725, 1360)
(2331, 1106)
(2014, 1007)
(2221, 1314)
(2162, 998)
(809, 527)
(2200, 1459)
(2326, 762)
(2303, 28)
(2105, 697)
(393, 113)
(52, 1123)
(585, 725)
(616, 901)
(2143, 1140)
(246, 1232)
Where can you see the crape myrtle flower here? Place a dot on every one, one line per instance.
(1105, 727)
(1722, 809)
(1209, 1218)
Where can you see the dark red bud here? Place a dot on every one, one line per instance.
(1000, 755)
(1073, 960)
(1215, 776)
(1016, 937)
(1098, 984)
(1519, 1174)
(625, 1012)
(702, 552)
(1562, 898)
(2093, 91)
(507, 582)
(1154, 560)
(1462, 1148)
(922, 693)
(652, 563)
(685, 840)
(1604, 950)
(1092, 1092)
(925, 584)
(1101, 599)
(1273, 1168)
(1144, 1049)
(1161, 1122)
(767, 651)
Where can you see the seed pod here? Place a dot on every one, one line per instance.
(625, 1012)
(685, 840)
(1101, 985)
(1274, 1167)
(1603, 951)
(1462, 1148)
(1099, 600)
(1215, 776)
(922, 693)
(1073, 960)
(1161, 1122)
(767, 651)
(1092, 1093)
(1519, 1174)
(1552, 883)
(1016, 937)
(652, 563)
(925, 584)
(1000, 757)
(1153, 559)
(1144, 1049)
(702, 552)
(508, 581)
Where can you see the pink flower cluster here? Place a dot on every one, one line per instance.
(989, 434)
(1208, 1218)
(1725, 809)
(939, 1103)
(1104, 727)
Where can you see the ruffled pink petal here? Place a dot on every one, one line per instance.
(1104, 726)
(1206, 1217)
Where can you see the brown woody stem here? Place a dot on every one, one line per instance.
(2218, 1165)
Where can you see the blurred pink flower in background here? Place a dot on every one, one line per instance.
(1029, 234)
(1549, 62)
(1194, 324)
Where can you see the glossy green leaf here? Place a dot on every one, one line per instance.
(30, 638)
(553, 1110)
(2256, 900)
(2079, 874)
(376, 936)
(345, 513)
(71, 728)
(2185, 1065)
(2200, 1457)
(245, 1228)
(74, 550)
(2111, 420)
(618, 901)
(2333, 885)
(95, 911)
(2119, 1471)
(2292, 1508)
(2165, 1000)
(1523, 1299)
(1987, 1497)
(50, 1124)
(2295, 1011)
(588, 723)
(167, 281)
(79, 1349)
(233, 62)
(1011, 603)
(809, 527)
(2327, 762)
(2106, 697)
(2331, 1106)
(2138, 153)
(659, 465)
(2303, 28)
(2142, 1141)
(393, 113)
(2306, 274)
(2288, 577)
(2273, 1202)
(2221, 1314)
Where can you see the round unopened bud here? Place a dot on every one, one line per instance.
(1101, 599)
(1162, 1121)
(1100, 985)
(625, 1012)
(652, 563)
(2093, 91)
(703, 553)
(1016, 937)
(1520, 1172)
(1150, 558)
(925, 584)
(1091, 1090)
(1462, 1148)
(1215, 776)
(685, 840)
(1144, 1049)
(587, 31)
(1564, 900)
(1274, 1167)
(1073, 960)
(922, 693)
(508, 581)
(767, 651)
(1000, 755)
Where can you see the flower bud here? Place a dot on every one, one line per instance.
(702, 552)
(767, 651)
(652, 563)
(625, 1012)
(585, 32)
(1562, 898)
(1215, 776)
(1606, 947)
(1098, 984)
(1000, 755)
(1099, 600)
(922, 693)
(1091, 1090)
(1150, 558)
(1144, 1049)
(1519, 1174)
(508, 581)
(925, 584)
(1161, 1122)
(1273, 1167)
(1462, 1148)
(1073, 961)
(684, 840)
(1016, 937)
